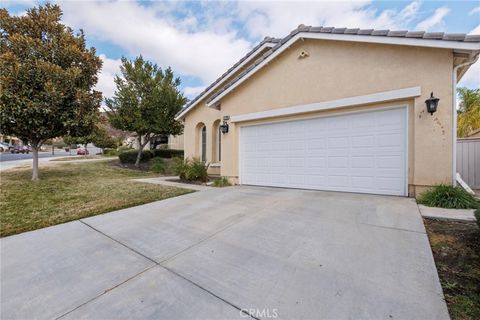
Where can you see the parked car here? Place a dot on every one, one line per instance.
(20, 149)
(82, 152)
(4, 147)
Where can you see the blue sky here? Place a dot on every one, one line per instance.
(202, 39)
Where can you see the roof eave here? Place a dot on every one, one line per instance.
(431, 43)
(251, 57)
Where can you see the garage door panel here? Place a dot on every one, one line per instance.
(362, 152)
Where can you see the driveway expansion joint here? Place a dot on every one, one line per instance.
(241, 310)
(392, 228)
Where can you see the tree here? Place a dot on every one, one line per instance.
(101, 139)
(146, 101)
(47, 77)
(468, 115)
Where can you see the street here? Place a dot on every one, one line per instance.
(7, 156)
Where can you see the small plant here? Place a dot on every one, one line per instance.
(222, 182)
(450, 197)
(158, 165)
(197, 170)
(179, 167)
(190, 169)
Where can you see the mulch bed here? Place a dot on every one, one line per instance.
(198, 183)
(456, 249)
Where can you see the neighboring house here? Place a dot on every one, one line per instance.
(9, 139)
(172, 142)
(335, 109)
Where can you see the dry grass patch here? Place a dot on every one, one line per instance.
(71, 191)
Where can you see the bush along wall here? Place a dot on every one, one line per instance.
(168, 153)
(131, 156)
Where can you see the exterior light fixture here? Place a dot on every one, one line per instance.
(432, 104)
(224, 127)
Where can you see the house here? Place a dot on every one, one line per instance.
(335, 109)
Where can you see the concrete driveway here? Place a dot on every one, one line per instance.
(274, 253)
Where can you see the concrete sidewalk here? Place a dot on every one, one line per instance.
(219, 253)
(447, 214)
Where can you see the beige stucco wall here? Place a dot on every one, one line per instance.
(335, 70)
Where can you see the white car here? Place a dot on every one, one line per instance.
(4, 147)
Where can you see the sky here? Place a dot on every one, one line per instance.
(200, 40)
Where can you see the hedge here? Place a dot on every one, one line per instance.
(131, 156)
(168, 153)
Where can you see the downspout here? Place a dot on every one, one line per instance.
(454, 117)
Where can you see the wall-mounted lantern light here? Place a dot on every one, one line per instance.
(224, 127)
(432, 104)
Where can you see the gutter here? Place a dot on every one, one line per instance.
(454, 117)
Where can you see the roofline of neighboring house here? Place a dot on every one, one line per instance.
(265, 43)
(417, 38)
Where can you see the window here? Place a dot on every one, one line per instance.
(204, 143)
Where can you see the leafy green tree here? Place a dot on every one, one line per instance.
(468, 117)
(146, 101)
(101, 139)
(47, 75)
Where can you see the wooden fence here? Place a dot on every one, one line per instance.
(468, 161)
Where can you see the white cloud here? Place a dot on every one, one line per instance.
(192, 92)
(471, 79)
(476, 30)
(110, 68)
(278, 18)
(474, 10)
(142, 30)
(434, 21)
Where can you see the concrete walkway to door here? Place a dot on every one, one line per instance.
(210, 254)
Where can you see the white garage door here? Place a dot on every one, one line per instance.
(358, 152)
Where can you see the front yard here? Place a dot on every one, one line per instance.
(456, 249)
(71, 191)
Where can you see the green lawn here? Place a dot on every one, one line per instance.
(456, 249)
(71, 191)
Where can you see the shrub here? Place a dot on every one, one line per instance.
(124, 148)
(450, 197)
(192, 170)
(168, 153)
(158, 165)
(110, 152)
(131, 156)
(222, 182)
(197, 170)
(179, 167)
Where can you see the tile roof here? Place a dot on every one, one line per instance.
(461, 37)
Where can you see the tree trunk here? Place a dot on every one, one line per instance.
(139, 154)
(85, 154)
(35, 162)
